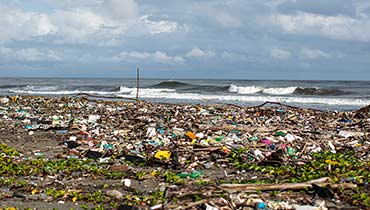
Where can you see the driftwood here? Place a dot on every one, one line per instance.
(280, 104)
(322, 182)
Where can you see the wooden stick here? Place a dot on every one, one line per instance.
(285, 186)
(137, 83)
(280, 104)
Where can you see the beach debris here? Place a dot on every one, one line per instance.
(183, 156)
(115, 194)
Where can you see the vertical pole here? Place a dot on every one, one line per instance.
(137, 83)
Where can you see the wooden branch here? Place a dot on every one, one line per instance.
(285, 186)
(280, 104)
(137, 83)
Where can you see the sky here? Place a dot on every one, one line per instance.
(219, 39)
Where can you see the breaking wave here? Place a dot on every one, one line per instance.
(244, 98)
(286, 90)
(320, 91)
(245, 90)
(53, 90)
(279, 91)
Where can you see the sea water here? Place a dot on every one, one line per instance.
(324, 95)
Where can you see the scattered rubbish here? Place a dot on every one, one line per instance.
(127, 182)
(162, 155)
(127, 207)
(172, 156)
(115, 194)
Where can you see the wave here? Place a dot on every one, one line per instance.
(172, 84)
(11, 86)
(59, 92)
(120, 90)
(245, 90)
(279, 91)
(320, 91)
(248, 99)
(287, 90)
(123, 89)
(258, 89)
(204, 89)
(41, 88)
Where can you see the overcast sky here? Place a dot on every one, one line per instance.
(240, 39)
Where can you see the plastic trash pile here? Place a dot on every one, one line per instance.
(197, 143)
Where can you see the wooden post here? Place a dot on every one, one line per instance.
(137, 83)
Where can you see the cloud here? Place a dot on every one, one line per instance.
(338, 27)
(198, 53)
(157, 27)
(77, 26)
(29, 54)
(83, 25)
(313, 54)
(280, 54)
(122, 9)
(158, 57)
(20, 25)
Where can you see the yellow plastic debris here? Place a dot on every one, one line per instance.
(74, 199)
(190, 135)
(154, 173)
(163, 155)
(34, 191)
(331, 162)
(14, 98)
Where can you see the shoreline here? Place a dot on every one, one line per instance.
(78, 151)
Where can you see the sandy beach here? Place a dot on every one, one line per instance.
(82, 153)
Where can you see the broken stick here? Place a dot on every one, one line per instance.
(286, 186)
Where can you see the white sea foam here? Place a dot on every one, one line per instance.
(122, 90)
(243, 98)
(60, 92)
(245, 90)
(279, 91)
(153, 93)
(41, 88)
(257, 89)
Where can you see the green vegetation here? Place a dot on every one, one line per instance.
(338, 166)
(7, 150)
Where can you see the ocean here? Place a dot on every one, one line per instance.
(323, 95)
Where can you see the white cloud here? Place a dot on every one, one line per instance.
(20, 25)
(313, 54)
(106, 26)
(29, 54)
(280, 54)
(335, 27)
(76, 26)
(122, 9)
(198, 53)
(162, 26)
(158, 57)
